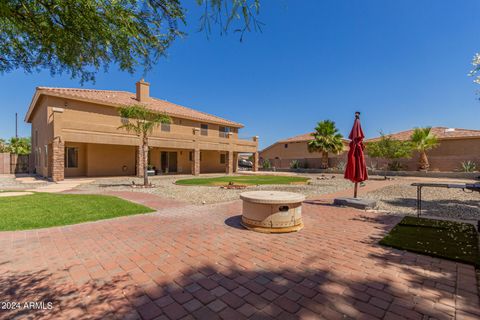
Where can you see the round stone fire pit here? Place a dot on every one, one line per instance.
(272, 211)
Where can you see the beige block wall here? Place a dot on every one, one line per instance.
(4, 163)
(109, 160)
(281, 157)
(446, 157)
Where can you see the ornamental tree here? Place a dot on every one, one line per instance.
(141, 121)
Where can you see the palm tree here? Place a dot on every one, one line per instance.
(422, 140)
(19, 145)
(326, 140)
(141, 121)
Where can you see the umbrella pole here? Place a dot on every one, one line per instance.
(355, 190)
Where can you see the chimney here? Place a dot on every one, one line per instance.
(143, 90)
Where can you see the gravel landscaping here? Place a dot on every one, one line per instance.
(165, 186)
(439, 202)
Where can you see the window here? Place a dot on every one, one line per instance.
(204, 129)
(36, 138)
(224, 131)
(190, 156)
(45, 164)
(37, 158)
(165, 127)
(223, 158)
(71, 157)
(286, 145)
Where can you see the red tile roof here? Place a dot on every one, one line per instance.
(123, 98)
(440, 132)
(299, 138)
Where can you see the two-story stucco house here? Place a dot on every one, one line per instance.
(75, 133)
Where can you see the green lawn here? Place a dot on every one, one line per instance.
(243, 180)
(41, 210)
(444, 239)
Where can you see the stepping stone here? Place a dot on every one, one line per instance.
(357, 203)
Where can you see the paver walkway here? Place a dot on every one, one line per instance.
(196, 262)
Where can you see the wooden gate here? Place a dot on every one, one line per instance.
(19, 163)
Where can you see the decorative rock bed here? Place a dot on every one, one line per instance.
(272, 211)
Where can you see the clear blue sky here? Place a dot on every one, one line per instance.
(401, 63)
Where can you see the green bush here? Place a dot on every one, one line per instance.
(468, 166)
(266, 164)
(295, 164)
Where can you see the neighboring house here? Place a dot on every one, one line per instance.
(75, 133)
(455, 146)
(283, 152)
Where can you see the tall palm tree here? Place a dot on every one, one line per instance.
(142, 121)
(326, 139)
(422, 140)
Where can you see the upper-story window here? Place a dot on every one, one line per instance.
(286, 145)
(223, 131)
(204, 129)
(165, 127)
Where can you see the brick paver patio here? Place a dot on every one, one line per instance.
(196, 262)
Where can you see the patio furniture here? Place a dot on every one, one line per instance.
(464, 186)
(272, 211)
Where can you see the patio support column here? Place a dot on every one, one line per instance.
(196, 162)
(57, 159)
(235, 162)
(140, 169)
(255, 161)
(229, 163)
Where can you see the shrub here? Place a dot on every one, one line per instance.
(341, 165)
(468, 166)
(295, 164)
(395, 166)
(266, 164)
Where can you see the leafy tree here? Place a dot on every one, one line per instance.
(326, 139)
(389, 149)
(80, 37)
(3, 146)
(422, 140)
(19, 145)
(142, 121)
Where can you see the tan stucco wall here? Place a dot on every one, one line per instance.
(104, 148)
(94, 123)
(108, 160)
(82, 160)
(41, 128)
(210, 162)
(184, 165)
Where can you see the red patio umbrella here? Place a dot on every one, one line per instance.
(356, 170)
